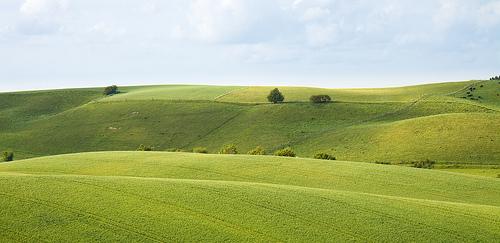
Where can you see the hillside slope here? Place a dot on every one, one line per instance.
(359, 126)
(141, 196)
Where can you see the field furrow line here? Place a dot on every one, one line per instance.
(311, 223)
(92, 216)
(26, 237)
(185, 210)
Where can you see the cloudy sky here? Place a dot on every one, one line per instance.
(329, 43)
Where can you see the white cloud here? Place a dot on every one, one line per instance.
(43, 7)
(214, 21)
(321, 35)
(489, 14)
(41, 16)
(315, 13)
(257, 33)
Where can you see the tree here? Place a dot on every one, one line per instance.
(320, 99)
(259, 150)
(286, 152)
(228, 149)
(275, 96)
(8, 156)
(111, 90)
(324, 156)
(425, 164)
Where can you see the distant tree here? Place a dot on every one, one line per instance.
(286, 152)
(143, 147)
(175, 150)
(320, 99)
(424, 164)
(8, 156)
(275, 96)
(259, 150)
(200, 150)
(111, 90)
(228, 149)
(324, 156)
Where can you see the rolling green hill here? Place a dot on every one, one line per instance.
(394, 124)
(154, 196)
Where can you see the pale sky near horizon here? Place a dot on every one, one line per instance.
(327, 43)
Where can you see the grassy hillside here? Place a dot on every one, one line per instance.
(394, 124)
(141, 196)
(172, 92)
(294, 94)
(446, 138)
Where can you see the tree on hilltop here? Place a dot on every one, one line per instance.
(111, 90)
(275, 96)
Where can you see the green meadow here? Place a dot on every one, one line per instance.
(392, 125)
(77, 177)
(157, 196)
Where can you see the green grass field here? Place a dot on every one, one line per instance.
(393, 124)
(154, 196)
(66, 186)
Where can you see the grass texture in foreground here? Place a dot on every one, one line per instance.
(154, 196)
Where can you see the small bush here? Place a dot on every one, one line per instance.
(257, 151)
(324, 156)
(424, 164)
(111, 90)
(175, 150)
(382, 163)
(286, 152)
(228, 149)
(320, 99)
(201, 150)
(8, 156)
(143, 147)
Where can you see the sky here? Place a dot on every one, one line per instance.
(327, 43)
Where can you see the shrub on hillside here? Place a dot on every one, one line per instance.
(424, 164)
(175, 150)
(259, 150)
(228, 149)
(275, 96)
(143, 147)
(201, 150)
(111, 90)
(320, 99)
(286, 152)
(495, 78)
(324, 156)
(7, 156)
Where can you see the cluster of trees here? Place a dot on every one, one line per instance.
(111, 90)
(232, 149)
(424, 164)
(7, 156)
(275, 96)
(495, 78)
